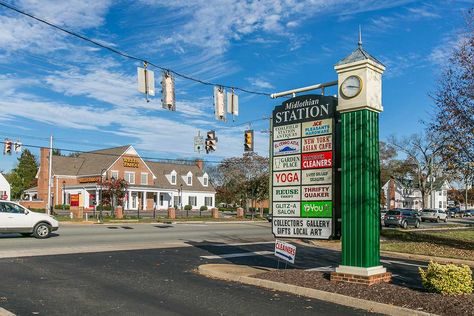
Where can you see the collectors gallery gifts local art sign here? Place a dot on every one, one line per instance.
(303, 167)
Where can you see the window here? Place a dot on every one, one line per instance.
(162, 198)
(114, 174)
(11, 208)
(208, 201)
(192, 200)
(440, 193)
(205, 181)
(190, 180)
(440, 204)
(173, 177)
(444, 192)
(130, 177)
(144, 178)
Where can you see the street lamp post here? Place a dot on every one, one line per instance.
(64, 195)
(101, 204)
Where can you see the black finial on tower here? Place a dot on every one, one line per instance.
(360, 37)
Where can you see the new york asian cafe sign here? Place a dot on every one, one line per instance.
(303, 143)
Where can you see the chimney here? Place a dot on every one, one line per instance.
(200, 163)
(391, 193)
(43, 174)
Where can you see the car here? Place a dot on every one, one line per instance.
(15, 218)
(434, 215)
(469, 213)
(402, 218)
(269, 217)
(382, 214)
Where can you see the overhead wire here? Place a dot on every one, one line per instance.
(126, 55)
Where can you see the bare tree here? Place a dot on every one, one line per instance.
(423, 155)
(453, 123)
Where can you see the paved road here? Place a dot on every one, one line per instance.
(85, 279)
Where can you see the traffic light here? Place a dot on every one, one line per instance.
(248, 146)
(211, 141)
(7, 150)
(17, 146)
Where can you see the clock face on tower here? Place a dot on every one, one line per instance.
(351, 87)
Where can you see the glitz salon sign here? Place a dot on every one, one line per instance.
(302, 167)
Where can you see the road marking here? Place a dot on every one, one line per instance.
(402, 263)
(322, 269)
(236, 255)
(244, 244)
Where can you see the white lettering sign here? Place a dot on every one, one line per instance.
(287, 131)
(319, 228)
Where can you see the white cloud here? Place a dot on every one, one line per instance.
(213, 24)
(260, 83)
(18, 32)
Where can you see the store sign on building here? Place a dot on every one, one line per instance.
(302, 170)
(131, 162)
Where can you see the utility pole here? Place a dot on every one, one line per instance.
(48, 205)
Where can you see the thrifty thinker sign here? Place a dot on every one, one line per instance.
(285, 251)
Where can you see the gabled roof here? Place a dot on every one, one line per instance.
(95, 161)
(358, 55)
(161, 169)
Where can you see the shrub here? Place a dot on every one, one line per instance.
(203, 208)
(60, 207)
(188, 207)
(103, 207)
(447, 279)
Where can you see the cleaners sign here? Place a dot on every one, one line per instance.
(303, 144)
(285, 251)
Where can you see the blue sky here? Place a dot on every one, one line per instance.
(51, 83)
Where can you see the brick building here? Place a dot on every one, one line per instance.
(151, 185)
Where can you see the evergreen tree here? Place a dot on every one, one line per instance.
(23, 175)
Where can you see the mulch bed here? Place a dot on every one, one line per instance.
(383, 293)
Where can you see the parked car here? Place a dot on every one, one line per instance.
(269, 217)
(382, 214)
(402, 218)
(434, 215)
(15, 218)
(469, 213)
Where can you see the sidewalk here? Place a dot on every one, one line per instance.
(243, 274)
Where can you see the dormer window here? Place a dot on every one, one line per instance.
(205, 180)
(189, 178)
(173, 177)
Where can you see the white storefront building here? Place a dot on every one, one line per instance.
(5, 189)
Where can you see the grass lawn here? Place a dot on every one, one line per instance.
(457, 244)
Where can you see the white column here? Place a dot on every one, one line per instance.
(144, 201)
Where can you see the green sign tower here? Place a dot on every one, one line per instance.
(359, 104)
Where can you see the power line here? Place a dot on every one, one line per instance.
(153, 159)
(126, 55)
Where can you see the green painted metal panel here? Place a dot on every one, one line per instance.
(360, 189)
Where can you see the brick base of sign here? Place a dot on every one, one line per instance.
(240, 212)
(171, 213)
(361, 279)
(215, 213)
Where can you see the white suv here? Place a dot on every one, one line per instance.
(434, 215)
(15, 218)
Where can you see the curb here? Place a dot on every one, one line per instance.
(162, 222)
(335, 298)
(404, 255)
(4, 312)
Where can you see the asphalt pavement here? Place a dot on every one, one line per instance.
(72, 274)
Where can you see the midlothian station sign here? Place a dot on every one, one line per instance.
(303, 167)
